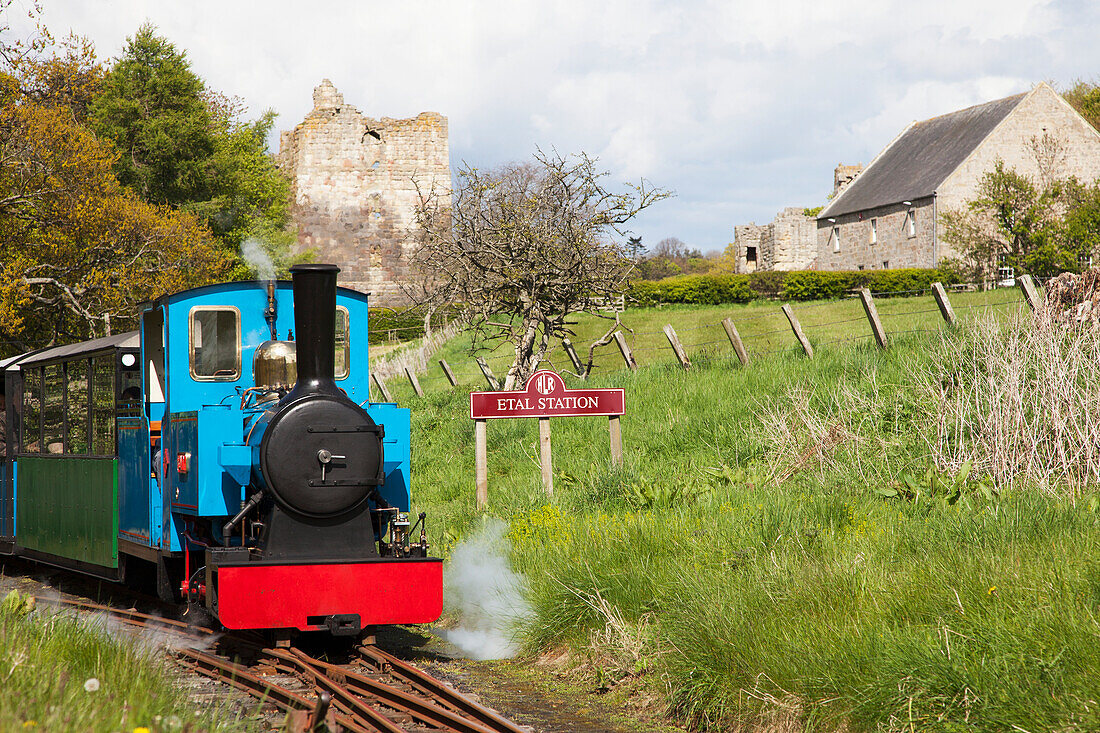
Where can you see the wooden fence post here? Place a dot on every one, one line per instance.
(674, 341)
(616, 441)
(481, 463)
(448, 373)
(628, 357)
(945, 305)
(381, 387)
(1031, 295)
(578, 368)
(485, 370)
(872, 317)
(545, 460)
(414, 382)
(735, 341)
(797, 328)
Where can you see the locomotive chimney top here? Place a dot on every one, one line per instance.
(315, 326)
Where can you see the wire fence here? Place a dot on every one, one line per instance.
(748, 336)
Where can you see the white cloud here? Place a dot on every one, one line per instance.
(742, 107)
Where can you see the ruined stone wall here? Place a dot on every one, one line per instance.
(744, 237)
(788, 243)
(355, 188)
(794, 240)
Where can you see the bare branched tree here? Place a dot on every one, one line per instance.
(522, 247)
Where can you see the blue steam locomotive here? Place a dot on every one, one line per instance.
(228, 452)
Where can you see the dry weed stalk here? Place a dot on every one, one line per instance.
(1020, 400)
(803, 435)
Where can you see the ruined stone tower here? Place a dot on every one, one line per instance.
(354, 182)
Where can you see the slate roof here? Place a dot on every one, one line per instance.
(921, 158)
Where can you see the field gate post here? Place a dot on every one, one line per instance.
(488, 373)
(545, 459)
(797, 328)
(381, 387)
(624, 348)
(481, 463)
(572, 354)
(674, 341)
(615, 431)
(447, 372)
(414, 382)
(946, 310)
(872, 317)
(735, 341)
(1031, 295)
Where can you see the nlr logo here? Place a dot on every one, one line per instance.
(544, 384)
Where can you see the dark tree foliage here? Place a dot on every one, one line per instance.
(186, 146)
(152, 110)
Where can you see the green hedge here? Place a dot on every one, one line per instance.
(801, 285)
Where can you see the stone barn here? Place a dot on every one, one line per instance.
(886, 215)
(355, 181)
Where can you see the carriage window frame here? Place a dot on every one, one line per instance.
(347, 343)
(191, 343)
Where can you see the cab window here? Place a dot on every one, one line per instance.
(343, 349)
(215, 335)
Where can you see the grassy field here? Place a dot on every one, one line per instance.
(779, 549)
(763, 328)
(58, 673)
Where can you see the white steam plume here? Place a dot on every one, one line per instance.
(481, 589)
(258, 259)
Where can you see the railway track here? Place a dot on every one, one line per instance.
(375, 691)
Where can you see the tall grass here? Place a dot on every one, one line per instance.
(60, 673)
(782, 550)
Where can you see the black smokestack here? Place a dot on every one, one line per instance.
(315, 326)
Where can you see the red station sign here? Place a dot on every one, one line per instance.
(545, 395)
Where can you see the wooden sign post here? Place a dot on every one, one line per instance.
(544, 396)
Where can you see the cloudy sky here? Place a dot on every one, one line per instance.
(741, 107)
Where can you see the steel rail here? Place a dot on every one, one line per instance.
(419, 708)
(334, 684)
(137, 618)
(279, 696)
(384, 661)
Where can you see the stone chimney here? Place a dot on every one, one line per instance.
(842, 176)
(325, 96)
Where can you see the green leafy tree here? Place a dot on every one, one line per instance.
(1042, 229)
(1084, 97)
(78, 251)
(152, 110)
(186, 146)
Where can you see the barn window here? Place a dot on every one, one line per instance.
(911, 223)
(343, 343)
(874, 230)
(835, 239)
(215, 344)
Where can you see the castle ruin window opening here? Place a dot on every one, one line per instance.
(750, 254)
